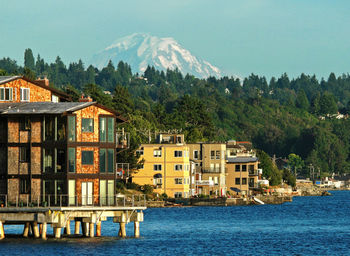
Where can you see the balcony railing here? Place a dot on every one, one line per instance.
(214, 170)
(253, 172)
(123, 170)
(253, 185)
(72, 201)
(122, 139)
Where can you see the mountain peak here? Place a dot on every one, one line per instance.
(140, 50)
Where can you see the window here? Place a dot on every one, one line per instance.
(237, 181)
(24, 154)
(178, 181)
(212, 154)
(24, 186)
(25, 94)
(195, 154)
(107, 160)
(48, 160)
(49, 128)
(244, 168)
(157, 153)
(71, 128)
(157, 167)
(178, 167)
(251, 169)
(244, 181)
(60, 160)
(6, 94)
(237, 168)
(87, 125)
(71, 159)
(178, 194)
(24, 124)
(87, 157)
(107, 129)
(178, 153)
(110, 160)
(54, 98)
(216, 181)
(61, 128)
(140, 151)
(217, 154)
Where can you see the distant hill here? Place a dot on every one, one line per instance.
(141, 50)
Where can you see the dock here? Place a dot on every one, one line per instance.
(88, 215)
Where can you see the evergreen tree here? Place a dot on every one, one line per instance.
(29, 59)
(302, 101)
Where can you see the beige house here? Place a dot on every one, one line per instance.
(209, 160)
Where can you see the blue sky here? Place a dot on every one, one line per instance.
(265, 37)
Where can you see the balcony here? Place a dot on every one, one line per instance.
(122, 170)
(253, 185)
(253, 173)
(122, 139)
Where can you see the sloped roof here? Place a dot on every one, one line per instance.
(242, 159)
(5, 79)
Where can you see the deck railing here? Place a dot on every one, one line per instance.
(72, 201)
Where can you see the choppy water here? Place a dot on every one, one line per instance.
(307, 226)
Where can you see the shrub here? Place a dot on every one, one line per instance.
(147, 189)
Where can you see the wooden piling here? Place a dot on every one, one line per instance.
(40, 228)
(57, 232)
(92, 229)
(122, 230)
(26, 230)
(35, 229)
(85, 228)
(137, 229)
(77, 227)
(67, 228)
(2, 231)
(43, 230)
(98, 229)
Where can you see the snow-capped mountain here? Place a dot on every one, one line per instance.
(141, 50)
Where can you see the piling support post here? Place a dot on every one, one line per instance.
(77, 227)
(35, 229)
(92, 229)
(26, 229)
(137, 229)
(122, 230)
(57, 232)
(85, 228)
(98, 228)
(2, 231)
(40, 228)
(67, 228)
(43, 231)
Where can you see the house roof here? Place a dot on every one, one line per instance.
(32, 108)
(7, 79)
(242, 159)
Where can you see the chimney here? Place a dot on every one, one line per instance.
(85, 99)
(43, 81)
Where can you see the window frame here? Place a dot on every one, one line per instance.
(178, 153)
(237, 181)
(157, 152)
(155, 167)
(24, 154)
(3, 93)
(22, 90)
(84, 158)
(90, 127)
(178, 181)
(178, 167)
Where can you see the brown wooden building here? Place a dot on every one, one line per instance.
(50, 150)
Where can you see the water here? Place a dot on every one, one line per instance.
(307, 226)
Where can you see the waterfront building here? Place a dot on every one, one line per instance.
(209, 159)
(166, 166)
(53, 150)
(242, 167)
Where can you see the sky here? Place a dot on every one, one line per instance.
(264, 37)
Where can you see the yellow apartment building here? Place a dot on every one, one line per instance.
(166, 166)
(210, 162)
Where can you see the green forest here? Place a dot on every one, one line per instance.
(280, 116)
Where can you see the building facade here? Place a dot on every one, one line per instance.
(166, 166)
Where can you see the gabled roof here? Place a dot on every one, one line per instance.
(32, 108)
(7, 79)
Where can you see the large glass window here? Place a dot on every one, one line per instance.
(110, 129)
(71, 159)
(61, 160)
(103, 129)
(48, 160)
(107, 129)
(24, 124)
(24, 186)
(71, 128)
(87, 157)
(106, 160)
(87, 125)
(49, 128)
(61, 128)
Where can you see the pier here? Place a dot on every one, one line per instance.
(59, 211)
